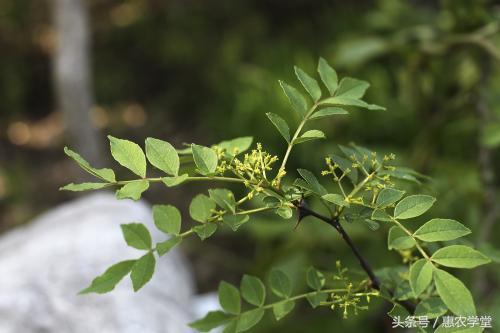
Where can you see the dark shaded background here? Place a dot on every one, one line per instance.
(204, 71)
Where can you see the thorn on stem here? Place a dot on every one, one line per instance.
(302, 212)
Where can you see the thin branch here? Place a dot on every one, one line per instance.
(334, 222)
(304, 211)
(296, 135)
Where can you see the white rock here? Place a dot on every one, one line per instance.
(45, 264)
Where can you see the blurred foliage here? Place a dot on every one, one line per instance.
(208, 70)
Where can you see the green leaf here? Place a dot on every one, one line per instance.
(229, 298)
(298, 101)
(315, 279)
(285, 212)
(169, 244)
(309, 84)
(335, 199)
(137, 236)
(327, 112)
(413, 206)
(83, 187)
(400, 173)
(399, 240)
(454, 293)
(403, 291)
(437, 230)
(352, 88)
(420, 276)
(231, 327)
(253, 290)
(398, 311)
(201, 208)
(281, 309)
(381, 215)
(312, 181)
(249, 319)
(167, 218)
(328, 76)
(223, 198)
(280, 124)
(143, 270)
(372, 225)
(129, 155)
(105, 174)
(280, 283)
(346, 101)
(162, 155)
(236, 146)
(315, 299)
(205, 159)
(109, 279)
(235, 221)
(174, 181)
(388, 196)
(206, 230)
(459, 256)
(132, 190)
(271, 202)
(432, 307)
(309, 136)
(212, 320)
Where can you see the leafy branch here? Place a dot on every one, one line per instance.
(366, 193)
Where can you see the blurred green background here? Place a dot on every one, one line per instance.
(204, 71)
